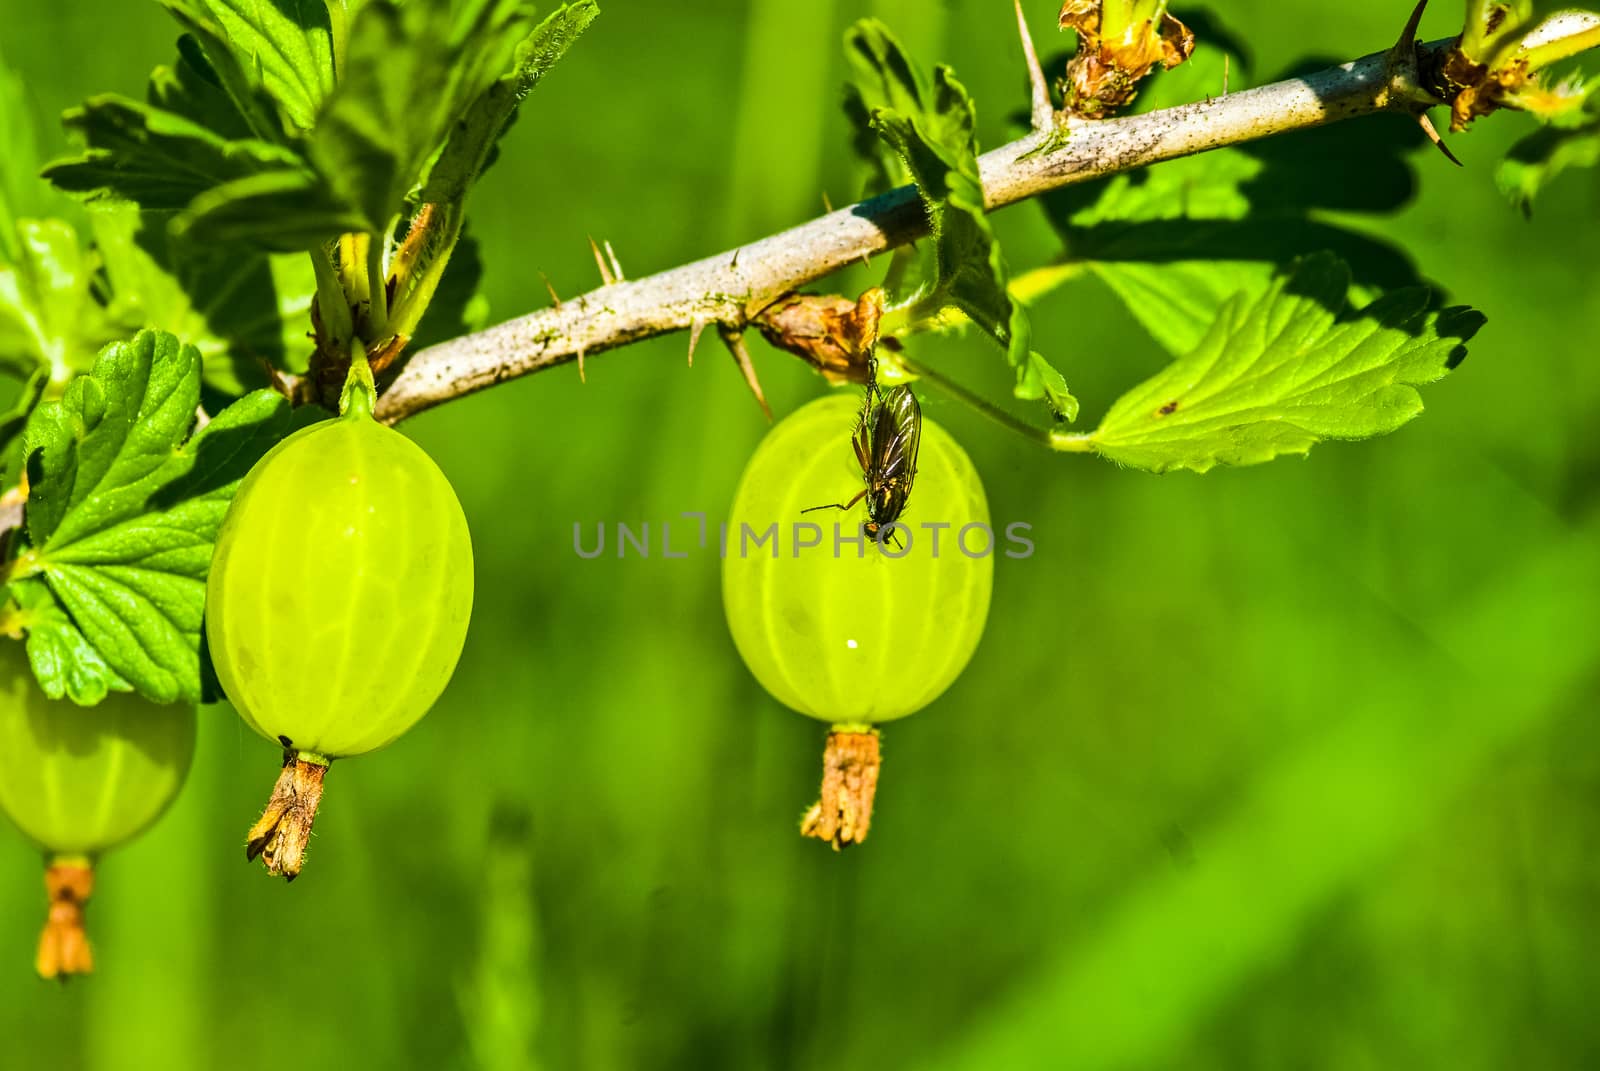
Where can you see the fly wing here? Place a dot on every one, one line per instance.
(861, 438)
(896, 435)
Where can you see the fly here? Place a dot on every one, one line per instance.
(887, 437)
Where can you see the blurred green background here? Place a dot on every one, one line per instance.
(1291, 766)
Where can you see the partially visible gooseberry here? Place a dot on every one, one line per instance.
(80, 781)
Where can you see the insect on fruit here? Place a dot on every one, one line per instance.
(836, 631)
(887, 440)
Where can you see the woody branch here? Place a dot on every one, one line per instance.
(729, 288)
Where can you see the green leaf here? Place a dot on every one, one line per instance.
(410, 73)
(48, 316)
(123, 512)
(1283, 372)
(192, 88)
(1174, 275)
(65, 663)
(243, 310)
(472, 140)
(283, 211)
(882, 76)
(1175, 240)
(189, 151)
(1533, 162)
(931, 131)
(157, 159)
(282, 48)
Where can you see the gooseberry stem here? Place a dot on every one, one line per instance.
(1031, 432)
(360, 394)
(850, 766)
(280, 836)
(64, 945)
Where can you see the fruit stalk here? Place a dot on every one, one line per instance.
(64, 945)
(850, 766)
(280, 836)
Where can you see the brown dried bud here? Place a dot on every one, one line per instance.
(831, 333)
(1105, 73)
(1081, 15)
(1473, 89)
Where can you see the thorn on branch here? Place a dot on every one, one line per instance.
(1404, 83)
(606, 275)
(555, 298)
(1408, 35)
(583, 377)
(733, 338)
(616, 265)
(1433, 136)
(695, 330)
(282, 382)
(1044, 113)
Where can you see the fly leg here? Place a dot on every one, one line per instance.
(838, 505)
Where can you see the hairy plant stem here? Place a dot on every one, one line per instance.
(732, 287)
(280, 836)
(949, 386)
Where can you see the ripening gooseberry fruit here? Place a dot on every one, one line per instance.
(337, 606)
(854, 633)
(79, 781)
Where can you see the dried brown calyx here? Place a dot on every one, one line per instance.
(1503, 59)
(830, 332)
(850, 766)
(64, 945)
(284, 829)
(1473, 89)
(1119, 44)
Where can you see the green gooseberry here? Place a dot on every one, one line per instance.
(854, 633)
(337, 605)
